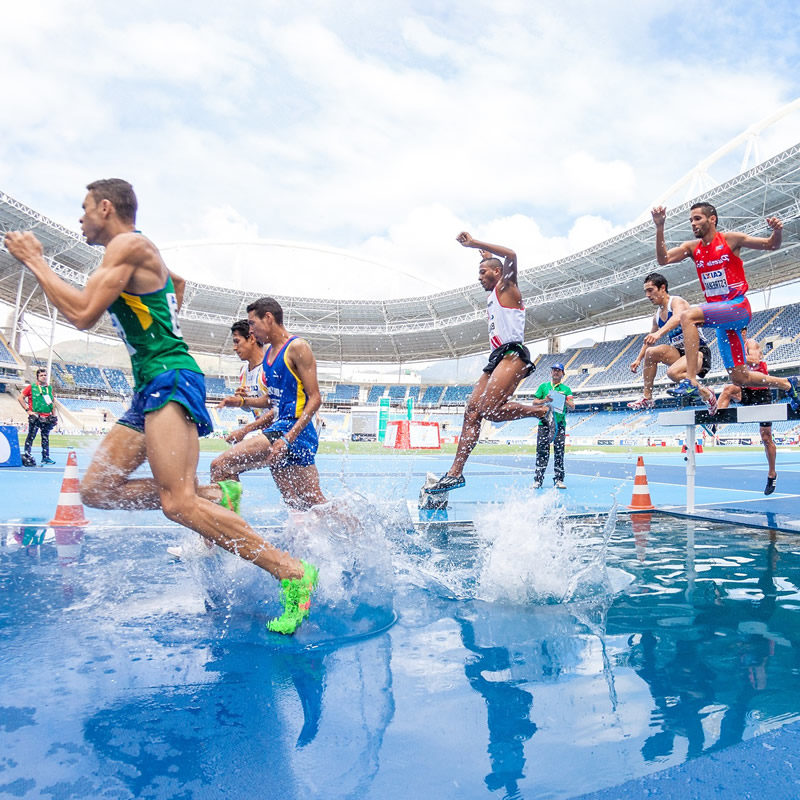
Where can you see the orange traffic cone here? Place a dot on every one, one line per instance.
(69, 513)
(641, 494)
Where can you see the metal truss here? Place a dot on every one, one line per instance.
(599, 285)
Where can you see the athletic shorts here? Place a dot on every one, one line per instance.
(302, 450)
(180, 386)
(756, 397)
(728, 317)
(705, 351)
(499, 353)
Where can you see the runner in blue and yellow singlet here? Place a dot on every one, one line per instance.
(250, 449)
(167, 412)
(290, 376)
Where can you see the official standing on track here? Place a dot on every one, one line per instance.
(37, 400)
(556, 433)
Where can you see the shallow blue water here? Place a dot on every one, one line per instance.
(524, 657)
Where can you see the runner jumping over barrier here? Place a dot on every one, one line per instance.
(509, 361)
(727, 309)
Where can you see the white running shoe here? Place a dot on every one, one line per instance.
(645, 404)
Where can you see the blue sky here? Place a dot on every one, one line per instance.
(384, 129)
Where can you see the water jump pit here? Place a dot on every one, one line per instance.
(520, 652)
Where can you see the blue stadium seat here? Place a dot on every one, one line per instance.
(432, 396)
(456, 395)
(117, 381)
(397, 394)
(375, 394)
(343, 393)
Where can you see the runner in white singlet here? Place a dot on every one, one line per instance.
(239, 458)
(509, 361)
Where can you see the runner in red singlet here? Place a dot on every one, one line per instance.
(721, 274)
(754, 397)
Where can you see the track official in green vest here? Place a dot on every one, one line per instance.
(39, 404)
(545, 434)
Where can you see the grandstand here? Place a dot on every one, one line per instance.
(599, 376)
(583, 291)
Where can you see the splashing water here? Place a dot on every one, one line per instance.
(536, 554)
(344, 538)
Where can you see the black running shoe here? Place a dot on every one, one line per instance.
(793, 392)
(446, 483)
(770, 487)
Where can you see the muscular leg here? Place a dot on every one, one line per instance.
(299, 486)
(730, 394)
(742, 376)
(677, 370)
(252, 453)
(690, 319)
(107, 482)
(653, 356)
(769, 449)
(172, 448)
(489, 400)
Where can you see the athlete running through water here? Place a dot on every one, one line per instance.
(289, 443)
(727, 309)
(167, 413)
(509, 361)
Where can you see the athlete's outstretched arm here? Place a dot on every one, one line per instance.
(263, 421)
(509, 271)
(666, 256)
(773, 242)
(242, 401)
(82, 307)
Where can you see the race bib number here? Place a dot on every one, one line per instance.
(117, 325)
(715, 283)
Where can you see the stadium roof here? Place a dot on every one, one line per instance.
(591, 288)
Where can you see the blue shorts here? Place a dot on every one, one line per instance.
(174, 386)
(729, 317)
(302, 450)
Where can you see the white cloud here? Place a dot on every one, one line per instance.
(384, 129)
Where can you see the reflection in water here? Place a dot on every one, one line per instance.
(508, 710)
(706, 661)
(241, 722)
(141, 690)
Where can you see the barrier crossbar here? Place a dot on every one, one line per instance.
(690, 418)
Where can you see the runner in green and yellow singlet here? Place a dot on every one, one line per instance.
(167, 412)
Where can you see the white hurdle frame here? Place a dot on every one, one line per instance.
(690, 417)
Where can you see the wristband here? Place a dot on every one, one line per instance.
(241, 401)
(288, 443)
